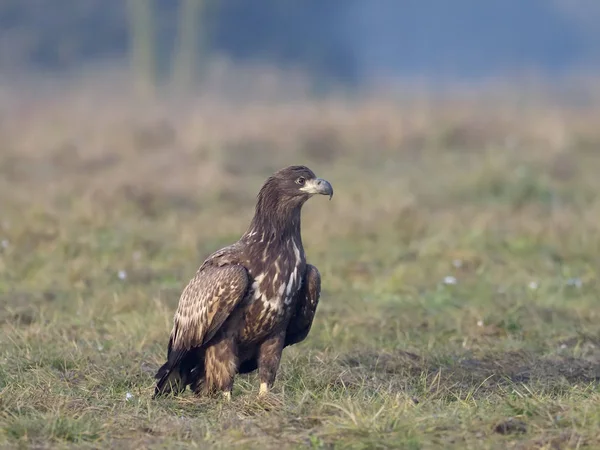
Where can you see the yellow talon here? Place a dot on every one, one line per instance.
(263, 389)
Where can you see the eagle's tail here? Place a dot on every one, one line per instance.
(169, 377)
(174, 375)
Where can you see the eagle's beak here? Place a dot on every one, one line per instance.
(318, 186)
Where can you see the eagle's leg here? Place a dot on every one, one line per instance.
(221, 365)
(269, 356)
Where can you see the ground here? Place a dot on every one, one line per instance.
(458, 257)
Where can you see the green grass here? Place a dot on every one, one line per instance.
(508, 357)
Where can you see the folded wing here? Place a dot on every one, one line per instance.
(204, 305)
(306, 307)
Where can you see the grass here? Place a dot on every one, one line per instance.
(459, 260)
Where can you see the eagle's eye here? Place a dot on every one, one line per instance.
(301, 181)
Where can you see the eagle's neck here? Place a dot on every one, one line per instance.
(268, 227)
(273, 246)
(274, 222)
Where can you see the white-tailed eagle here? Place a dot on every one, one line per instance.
(249, 300)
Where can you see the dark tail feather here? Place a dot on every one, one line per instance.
(169, 375)
(183, 367)
(164, 369)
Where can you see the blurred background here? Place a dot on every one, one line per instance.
(352, 42)
(113, 110)
(171, 105)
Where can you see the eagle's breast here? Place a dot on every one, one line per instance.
(275, 285)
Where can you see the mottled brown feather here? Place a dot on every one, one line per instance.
(301, 321)
(206, 302)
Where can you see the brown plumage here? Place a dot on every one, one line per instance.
(249, 300)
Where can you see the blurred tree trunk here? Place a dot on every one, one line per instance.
(191, 44)
(142, 47)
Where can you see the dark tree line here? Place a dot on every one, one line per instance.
(59, 34)
(339, 40)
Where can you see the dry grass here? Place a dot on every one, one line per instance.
(108, 206)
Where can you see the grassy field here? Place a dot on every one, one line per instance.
(459, 259)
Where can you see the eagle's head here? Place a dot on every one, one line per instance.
(281, 198)
(294, 185)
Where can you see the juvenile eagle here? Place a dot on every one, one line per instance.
(249, 300)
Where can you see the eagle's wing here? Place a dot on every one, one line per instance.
(206, 302)
(306, 306)
(204, 305)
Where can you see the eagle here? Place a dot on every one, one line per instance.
(249, 300)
